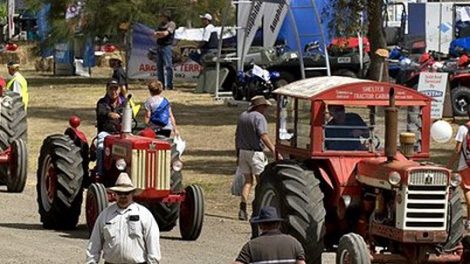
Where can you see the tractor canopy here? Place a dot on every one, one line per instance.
(341, 116)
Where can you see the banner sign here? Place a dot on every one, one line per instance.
(434, 84)
(141, 67)
(249, 21)
(274, 15)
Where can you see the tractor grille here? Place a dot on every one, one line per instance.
(151, 169)
(426, 200)
(428, 177)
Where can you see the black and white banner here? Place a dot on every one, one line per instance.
(251, 16)
(274, 15)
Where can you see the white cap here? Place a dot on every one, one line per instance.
(206, 16)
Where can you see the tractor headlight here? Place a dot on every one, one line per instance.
(455, 180)
(177, 165)
(121, 164)
(394, 178)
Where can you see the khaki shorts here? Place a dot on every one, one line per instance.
(251, 162)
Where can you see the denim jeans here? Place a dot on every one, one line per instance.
(100, 151)
(165, 63)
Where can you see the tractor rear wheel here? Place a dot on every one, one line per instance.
(13, 124)
(352, 249)
(96, 202)
(59, 182)
(297, 195)
(18, 168)
(192, 213)
(166, 214)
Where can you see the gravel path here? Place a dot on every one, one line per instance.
(23, 240)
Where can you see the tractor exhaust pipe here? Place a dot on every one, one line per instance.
(126, 121)
(391, 130)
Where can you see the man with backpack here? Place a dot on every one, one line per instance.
(462, 151)
(159, 115)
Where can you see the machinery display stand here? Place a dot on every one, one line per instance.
(242, 25)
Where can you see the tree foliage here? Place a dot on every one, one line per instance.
(364, 16)
(104, 17)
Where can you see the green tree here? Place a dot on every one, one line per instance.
(104, 17)
(348, 23)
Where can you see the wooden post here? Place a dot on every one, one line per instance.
(447, 111)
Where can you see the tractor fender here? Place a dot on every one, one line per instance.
(75, 133)
(460, 79)
(325, 177)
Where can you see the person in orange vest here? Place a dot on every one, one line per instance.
(17, 83)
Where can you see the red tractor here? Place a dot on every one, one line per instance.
(153, 164)
(13, 133)
(353, 192)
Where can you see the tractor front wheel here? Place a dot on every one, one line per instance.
(192, 213)
(18, 167)
(296, 193)
(352, 249)
(59, 182)
(96, 202)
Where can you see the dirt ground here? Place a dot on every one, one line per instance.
(207, 126)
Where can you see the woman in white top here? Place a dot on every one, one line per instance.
(158, 114)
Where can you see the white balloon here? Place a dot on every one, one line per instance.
(441, 131)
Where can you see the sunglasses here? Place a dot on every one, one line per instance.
(123, 193)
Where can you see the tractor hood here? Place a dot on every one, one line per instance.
(376, 172)
(133, 142)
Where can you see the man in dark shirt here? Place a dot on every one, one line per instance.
(108, 117)
(344, 129)
(165, 35)
(271, 246)
(119, 74)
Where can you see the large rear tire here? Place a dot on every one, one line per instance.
(13, 124)
(192, 213)
(296, 193)
(96, 202)
(166, 214)
(18, 167)
(460, 96)
(352, 249)
(59, 183)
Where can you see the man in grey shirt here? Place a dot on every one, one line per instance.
(250, 138)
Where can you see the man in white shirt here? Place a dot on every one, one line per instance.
(125, 231)
(209, 42)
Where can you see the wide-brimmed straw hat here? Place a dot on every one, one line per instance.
(266, 214)
(115, 56)
(123, 184)
(257, 101)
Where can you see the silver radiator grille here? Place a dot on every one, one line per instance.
(426, 200)
(428, 177)
(151, 169)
